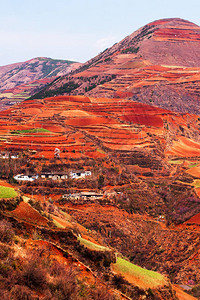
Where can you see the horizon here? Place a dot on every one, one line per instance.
(78, 31)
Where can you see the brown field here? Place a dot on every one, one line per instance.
(24, 211)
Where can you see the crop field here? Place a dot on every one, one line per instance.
(26, 212)
(60, 222)
(137, 275)
(91, 246)
(33, 130)
(7, 192)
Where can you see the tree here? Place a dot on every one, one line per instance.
(100, 181)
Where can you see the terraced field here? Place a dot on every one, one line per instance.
(136, 275)
(80, 124)
(7, 192)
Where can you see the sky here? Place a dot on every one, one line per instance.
(78, 29)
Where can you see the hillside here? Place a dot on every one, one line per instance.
(144, 162)
(21, 80)
(158, 64)
(47, 260)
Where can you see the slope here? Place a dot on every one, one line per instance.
(39, 253)
(20, 80)
(158, 64)
(140, 158)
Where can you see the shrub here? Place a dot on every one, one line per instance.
(33, 275)
(20, 292)
(56, 269)
(118, 280)
(6, 231)
(131, 50)
(101, 294)
(64, 286)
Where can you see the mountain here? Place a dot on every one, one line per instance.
(20, 80)
(158, 64)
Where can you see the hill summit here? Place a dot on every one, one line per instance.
(21, 80)
(158, 64)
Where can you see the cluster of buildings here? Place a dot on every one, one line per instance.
(8, 155)
(22, 177)
(54, 176)
(83, 196)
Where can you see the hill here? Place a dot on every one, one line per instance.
(158, 64)
(41, 260)
(21, 80)
(143, 162)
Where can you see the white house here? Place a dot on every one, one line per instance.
(80, 174)
(22, 177)
(54, 176)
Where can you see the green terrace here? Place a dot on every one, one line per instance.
(137, 275)
(7, 192)
(33, 130)
(91, 245)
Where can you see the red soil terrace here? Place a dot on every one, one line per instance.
(117, 124)
(26, 212)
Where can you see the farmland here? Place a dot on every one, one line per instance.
(7, 192)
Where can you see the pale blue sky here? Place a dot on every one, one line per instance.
(78, 29)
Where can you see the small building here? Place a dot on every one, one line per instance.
(54, 176)
(79, 174)
(63, 176)
(90, 195)
(8, 155)
(83, 196)
(22, 177)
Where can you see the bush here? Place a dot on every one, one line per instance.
(57, 269)
(64, 286)
(6, 231)
(101, 294)
(131, 50)
(118, 280)
(20, 292)
(33, 275)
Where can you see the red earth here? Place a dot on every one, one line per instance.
(118, 124)
(26, 212)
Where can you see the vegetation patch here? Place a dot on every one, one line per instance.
(130, 50)
(175, 162)
(137, 275)
(57, 224)
(193, 165)
(33, 130)
(7, 192)
(91, 245)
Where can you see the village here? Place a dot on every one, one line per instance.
(54, 176)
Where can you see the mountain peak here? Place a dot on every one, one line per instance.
(166, 21)
(155, 64)
(172, 41)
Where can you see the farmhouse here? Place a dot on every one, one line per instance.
(8, 155)
(79, 174)
(54, 176)
(22, 177)
(90, 195)
(62, 176)
(83, 196)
